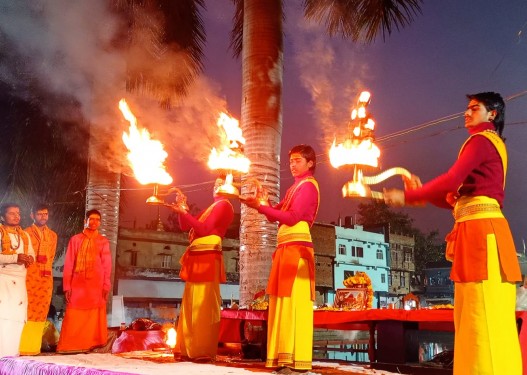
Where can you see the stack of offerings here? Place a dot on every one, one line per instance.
(358, 294)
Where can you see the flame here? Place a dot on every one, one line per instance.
(354, 189)
(359, 148)
(362, 112)
(230, 155)
(352, 152)
(232, 129)
(146, 155)
(228, 159)
(171, 337)
(364, 97)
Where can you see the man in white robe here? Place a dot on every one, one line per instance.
(15, 256)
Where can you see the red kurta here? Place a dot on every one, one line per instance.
(86, 291)
(478, 171)
(84, 325)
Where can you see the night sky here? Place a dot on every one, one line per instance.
(417, 76)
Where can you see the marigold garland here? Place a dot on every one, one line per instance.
(361, 280)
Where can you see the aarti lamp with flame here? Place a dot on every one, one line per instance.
(229, 158)
(147, 157)
(360, 151)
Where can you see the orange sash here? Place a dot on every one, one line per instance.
(199, 262)
(44, 242)
(284, 269)
(7, 245)
(85, 259)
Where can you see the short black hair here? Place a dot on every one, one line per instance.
(492, 102)
(5, 206)
(39, 207)
(93, 211)
(307, 153)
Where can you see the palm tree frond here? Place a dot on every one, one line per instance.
(362, 20)
(339, 17)
(165, 45)
(383, 15)
(237, 29)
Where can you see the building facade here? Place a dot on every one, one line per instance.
(360, 250)
(147, 271)
(324, 243)
(146, 267)
(402, 267)
(438, 288)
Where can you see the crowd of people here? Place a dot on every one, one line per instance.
(484, 264)
(26, 284)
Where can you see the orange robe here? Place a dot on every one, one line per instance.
(85, 326)
(39, 283)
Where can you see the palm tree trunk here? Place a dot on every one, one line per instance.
(262, 68)
(103, 194)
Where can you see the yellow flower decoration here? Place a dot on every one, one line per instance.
(361, 280)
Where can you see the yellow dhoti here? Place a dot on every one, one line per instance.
(31, 339)
(486, 340)
(290, 325)
(39, 291)
(198, 326)
(199, 320)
